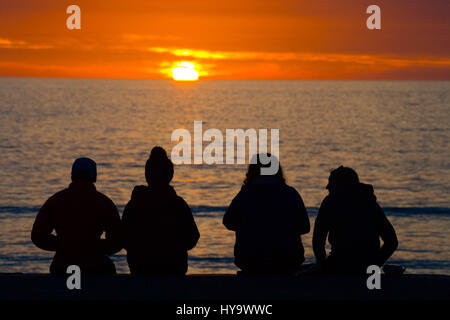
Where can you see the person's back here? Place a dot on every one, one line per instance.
(79, 215)
(354, 223)
(268, 217)
(158, 226)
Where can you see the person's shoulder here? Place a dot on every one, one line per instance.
(290, 189)
(104, 198)
(138, 191)
(245, 192)
(327, 200)
(58, 195)
(180, 201)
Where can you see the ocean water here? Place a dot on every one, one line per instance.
(395, 134)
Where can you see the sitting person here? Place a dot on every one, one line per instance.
(158, 226)
(269, 218)
(79, 215)
(354, 223)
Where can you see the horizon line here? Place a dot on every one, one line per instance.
(225, 79)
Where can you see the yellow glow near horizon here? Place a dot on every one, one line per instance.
(185, 71)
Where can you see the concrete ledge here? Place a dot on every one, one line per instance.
(44, 287)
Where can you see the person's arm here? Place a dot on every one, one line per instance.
(387, 234)
(112, 227)
(233, 216)
(303, 220)
(41, 234)
(192, 235)
(321, 228)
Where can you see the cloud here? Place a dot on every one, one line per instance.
(363, 59)
(19, 44)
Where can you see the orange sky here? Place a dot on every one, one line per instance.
(232, 39)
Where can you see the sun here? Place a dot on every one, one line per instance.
(185, 71)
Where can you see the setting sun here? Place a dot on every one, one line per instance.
(185, 71)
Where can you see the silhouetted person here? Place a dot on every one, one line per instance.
(269, 218)
(79, 215)
(354, 223)
(158, 226)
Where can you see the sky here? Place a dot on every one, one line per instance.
(232, 39)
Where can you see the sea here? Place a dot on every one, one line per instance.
(395, 134)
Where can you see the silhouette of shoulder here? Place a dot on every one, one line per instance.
(106, 201)
(58, 195)
(139, 192)
(61, 196)
(55, 199)
(291, 190)
(326, 201)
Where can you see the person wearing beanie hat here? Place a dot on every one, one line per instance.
(79, 215)
(84, 168)
(157, 225)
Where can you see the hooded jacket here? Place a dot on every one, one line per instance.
(158, 230)
(354, 223)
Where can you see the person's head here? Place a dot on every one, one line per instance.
(158, 168)
(256, 163)
(84, 169)
(342, 177)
